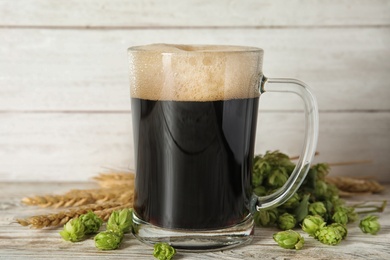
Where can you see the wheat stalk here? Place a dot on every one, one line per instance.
(105, 213)
(103, 210)
(79, 197)
(355, 185)
(115, 179)
(122, 181)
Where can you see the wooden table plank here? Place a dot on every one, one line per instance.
(17, 242)
(190, 13)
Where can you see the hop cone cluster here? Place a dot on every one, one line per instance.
(77, 228)
(316, 206)
(315, 197)
(331, 234)
(312, 224)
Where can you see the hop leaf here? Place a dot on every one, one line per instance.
(163, 251)
(107, 240)
(329, 235)
(317, 208)
(74, 230)
(370, 225)
(311, 224)
(120, 220)
(301, 211)
(289, 239)
(286, 221)
(91, 222)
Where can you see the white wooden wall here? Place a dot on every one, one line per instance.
(64, 96)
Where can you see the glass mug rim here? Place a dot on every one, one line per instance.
(194, 49)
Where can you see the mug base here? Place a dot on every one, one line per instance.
(195, 240)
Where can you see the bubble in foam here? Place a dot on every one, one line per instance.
(194, 72)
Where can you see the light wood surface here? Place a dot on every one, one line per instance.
(170, 13)
(17, 242)
(64, 95)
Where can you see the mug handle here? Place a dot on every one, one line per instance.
(309, 146)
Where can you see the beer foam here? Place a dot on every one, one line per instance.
(194, 72)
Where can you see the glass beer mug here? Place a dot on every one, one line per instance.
(194, 111)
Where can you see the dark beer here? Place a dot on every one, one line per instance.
(193, 161)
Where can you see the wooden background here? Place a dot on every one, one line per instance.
(64, 96)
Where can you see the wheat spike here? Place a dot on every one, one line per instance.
(58, 219)
(79, 197)
(115, 179)
(115, 175)
(105, 213)
(57, 201)
(355, 185)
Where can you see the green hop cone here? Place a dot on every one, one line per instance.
(163, 251)
(107, 240)
(260, 191)
(273, 216)
(317, 208)
(91, 222)
(342, 229)
(370, 225)
(340, 216)
(74, 230)
(260, 170)
(311, 224)
(261, 218)
(332, 191)
(286, 221)
(266, 218)
(352, 214)
(120, 220)
(336, 202)
(289, 239)
(277, 178)
(321, 189)
(292, 202)
(329, 235)
(322, 169)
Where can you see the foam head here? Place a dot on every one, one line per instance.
(194, 72)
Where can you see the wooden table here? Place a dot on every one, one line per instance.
(17, 242)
